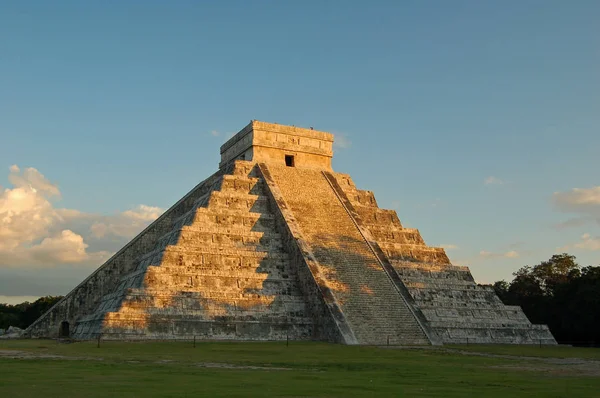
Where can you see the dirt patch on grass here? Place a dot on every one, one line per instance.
(553, 366)
(15, 354)
(555, 369)
(232, 366)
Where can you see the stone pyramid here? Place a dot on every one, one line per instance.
(277, 245)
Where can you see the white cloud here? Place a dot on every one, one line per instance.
(582, 201)
(511, 254)
(126, 224)
(578, 200)
(578, 197)
(508, 254)
(572, 222)
(35, 233)
(491, 180)
(341, 141)
(26, 214)
(587, 242)
(215, 133)
(31, 178)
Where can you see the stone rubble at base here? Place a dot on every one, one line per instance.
(276, 246)
(12, 332)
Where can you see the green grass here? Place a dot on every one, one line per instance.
(173, 369)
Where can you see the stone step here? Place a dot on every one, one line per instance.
(211, 250)
(216, 250)
(395, 234)
(415, 253)
(404, 266)
(375, 215)
(231, 231)
(293, 299)
(360, 197)
(239, 183)
(451, 291)
(190, 237)
(235, 218)
(439, 283)
(473, 323)
(243, 168)
(236, 200)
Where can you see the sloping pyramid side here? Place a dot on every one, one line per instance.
(84, 298)
(456, 308)
(217, 269)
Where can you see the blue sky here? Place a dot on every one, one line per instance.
(122, 104)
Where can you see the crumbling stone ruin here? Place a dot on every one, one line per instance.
(277, 245)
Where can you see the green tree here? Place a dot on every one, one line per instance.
(559, 293)
(24, 314)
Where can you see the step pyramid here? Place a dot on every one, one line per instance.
(276, 245)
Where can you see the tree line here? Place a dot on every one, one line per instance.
(24, 314)
(561, 294)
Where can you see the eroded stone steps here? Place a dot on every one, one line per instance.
(235, 218)
(366, 295)
(423, 268)
(375, 215)
(210, 241)
(273, 272)
(361, 198)
(394, 234)
(449, 292)
(256, 238)
(293, 299)
(480, 323)
(237, 200)
(401, 247)
(440, 283)
(449, 300)
(202, 306)
(417, 254)
(240, 183)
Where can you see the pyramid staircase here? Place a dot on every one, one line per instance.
(372, 306)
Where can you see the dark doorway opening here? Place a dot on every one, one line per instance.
(63, 331)
(289, 160)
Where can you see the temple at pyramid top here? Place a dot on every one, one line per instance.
(277, 144)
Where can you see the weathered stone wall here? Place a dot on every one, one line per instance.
(267, 142)
(85, 297)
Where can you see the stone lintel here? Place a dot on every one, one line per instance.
(272, 143)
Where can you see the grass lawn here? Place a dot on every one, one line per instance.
(34, 368)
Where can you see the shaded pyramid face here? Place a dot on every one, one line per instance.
(276, 245)
(220, 272)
